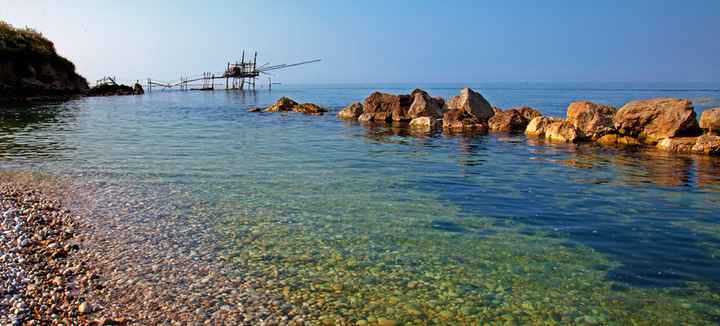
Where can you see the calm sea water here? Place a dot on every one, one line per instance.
(379, 222)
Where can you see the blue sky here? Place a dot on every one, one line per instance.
(387, 41)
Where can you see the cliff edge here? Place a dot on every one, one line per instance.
(30, 69)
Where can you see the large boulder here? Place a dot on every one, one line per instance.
(707, 144)
(461, 120)
(677, 145)
(655, 119)
(473, 104)
(591, 120)
(511, 120)
(562, 131)
(284, 104)
(385, 107)
(425, 106)
(537, 126)
(710, 121)
(352, 111)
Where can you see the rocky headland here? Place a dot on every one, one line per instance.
(31, 69)
(669, 124)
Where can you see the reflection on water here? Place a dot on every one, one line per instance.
(363, 221)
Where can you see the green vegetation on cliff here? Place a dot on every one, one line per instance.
(30, 67)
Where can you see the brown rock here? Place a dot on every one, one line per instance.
(473, 104)
(352, 111)
(528, 112)
(710, 121)
(458, 120)
(591, 120)
(615, 139)
(85, 308)
(677, 145)
(537, 126)
(424, 106)
(655, 119)
(707, 144)
(561, 131)
(309, 108)
(284, 104)
(385, 107)
(510, 120)
(425, 123)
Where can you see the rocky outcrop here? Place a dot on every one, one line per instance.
(707, 144)
(538, 125)
(115, 90)
(562, 131)
(472, 103)
(138, 89)
(352, 111)
(591, 120)
(31, 69)
(655, 119)
(286, 104)
(512, 120)
(710, 121)
(461, 120)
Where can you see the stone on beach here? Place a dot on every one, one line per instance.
(591, 120)
(655, 119)
(538, 125)
(352, 111)
(710, 121)
(561, 131)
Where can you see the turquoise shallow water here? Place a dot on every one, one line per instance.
(368, 222)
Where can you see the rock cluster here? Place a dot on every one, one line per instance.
(667, 123)
(468, 111)
(286, 104)
(115, 90)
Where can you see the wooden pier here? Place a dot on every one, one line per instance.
(240, 75)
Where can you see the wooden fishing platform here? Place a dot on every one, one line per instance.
(241, 75)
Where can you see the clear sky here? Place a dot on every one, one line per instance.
(387, 41)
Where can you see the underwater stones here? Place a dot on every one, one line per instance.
(561, 131)
(590, 119)
(512, 120)
(352, 111)
(710, 121)
(472, 103)
(386, 322)
(286, 104)
(538, 125)
(655, 119)
(678, 145)
(707, 144)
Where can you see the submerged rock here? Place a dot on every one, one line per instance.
(707, 144)
(590, 119)
(561, 131)
(352, 111)
(710, 121)
(615, 139)
(538, 125)
(655, 119)
(473, 104)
